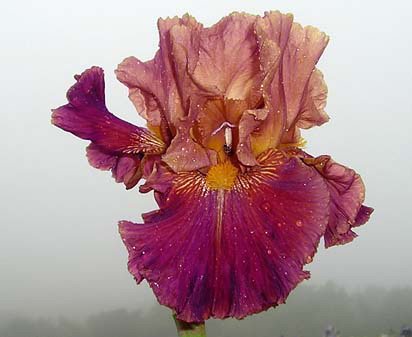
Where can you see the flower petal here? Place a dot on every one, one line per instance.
(304, 48)
(87, 117)
(347, 194)
(215, 253)
(273, 33)
(184, 153)
(159, 80)
(116, 145)
(228, 63)
(312, 111)
(248, 128)
(125, 168)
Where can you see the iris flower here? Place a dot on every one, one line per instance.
(242, 207)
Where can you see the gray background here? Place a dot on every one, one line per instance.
(60, 252)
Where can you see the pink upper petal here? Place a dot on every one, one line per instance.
(228, 63)
(158, 80)
(272, 33)
(184, 153)
(312, 110)
(303, 50)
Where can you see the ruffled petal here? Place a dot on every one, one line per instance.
(157, 87)
(304, 48)
(215, 253)
(184, 153)
(125, 168)
(363, 216)
(248, 129)
(116, 145)
(347, 193)
(87, 117)
(273, 33)
(313, 108)
(228, 64)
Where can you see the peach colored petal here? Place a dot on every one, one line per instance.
(156, 80)
(312, 111)
(304, 48)
(228, 64)
(250, 121)
(272, 32)
(184, 153)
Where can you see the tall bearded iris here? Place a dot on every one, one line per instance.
(242, 207)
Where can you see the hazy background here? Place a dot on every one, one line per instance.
(60, 253)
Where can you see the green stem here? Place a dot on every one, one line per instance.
(185, 329)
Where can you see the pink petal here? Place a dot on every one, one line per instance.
(184, 153)
(228, 63)
(250, 121)
(272, 33)
(215, 253)
(303, 50)
(154, 81)
(312, 111)
(125, 168)
(347, 194)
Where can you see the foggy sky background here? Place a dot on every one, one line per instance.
(60, 252)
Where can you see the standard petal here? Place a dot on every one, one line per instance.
(158, 87)
(228, 61)
(184, 153)
(216, 253)
(87, 117)
(303, 50)
(273, 33)
(312, 111)
(347, 193)
(248, 126)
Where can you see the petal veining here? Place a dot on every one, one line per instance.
(216, 253)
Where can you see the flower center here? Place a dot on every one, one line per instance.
(221, 176)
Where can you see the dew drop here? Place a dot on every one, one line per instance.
(299, 223)
(265, 206)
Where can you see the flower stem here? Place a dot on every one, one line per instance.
(185, 329)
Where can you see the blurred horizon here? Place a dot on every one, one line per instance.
(308, 312)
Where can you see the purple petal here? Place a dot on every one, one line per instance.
(116, 145)
(215, 253)
(125, 168)
(347, 194)
(87, 117)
